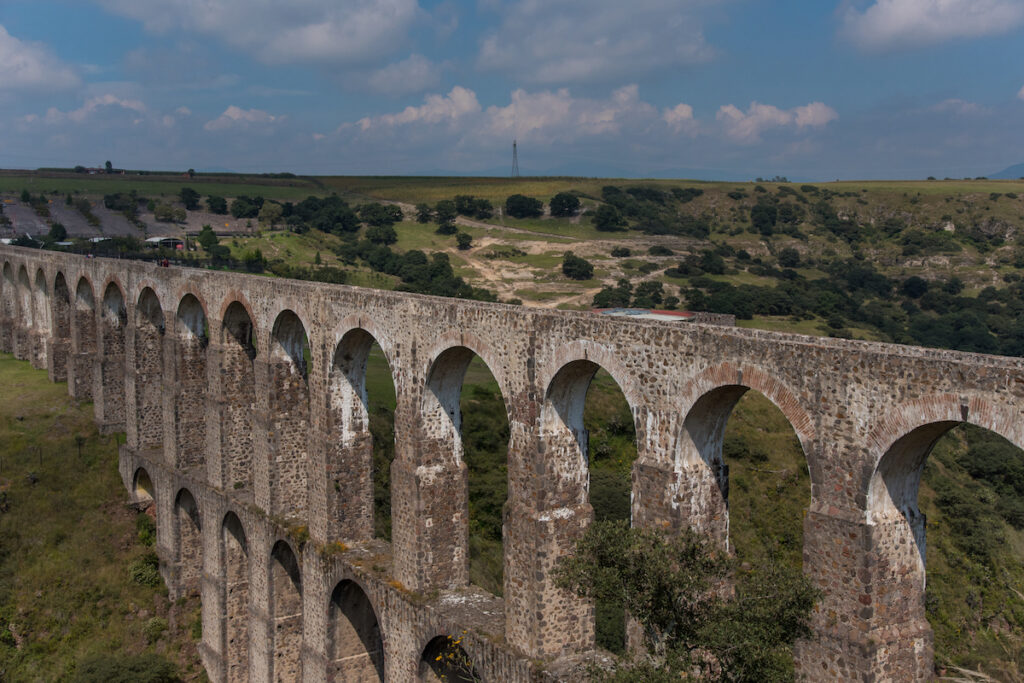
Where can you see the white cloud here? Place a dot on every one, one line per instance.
(815, 114)
(413, 74)
(569, 41)
(278, 32)
(101, 105)
(448, 108)
(748, 126)
(31, 66)
(680, 118)
(235, 117)
(958, 107)
(894, 24)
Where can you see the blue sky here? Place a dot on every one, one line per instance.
(700, 88)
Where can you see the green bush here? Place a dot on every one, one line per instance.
(146, 668)
(154, 628)
(144, 569)
(147, 529)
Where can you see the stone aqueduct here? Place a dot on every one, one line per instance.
(239, 435)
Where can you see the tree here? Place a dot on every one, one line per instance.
(575, 267)
(445, 214)
(26, 197)
(762, 217)
(109, 166)
(207, 238)
(190, 198)
(914, 287)
(521, 206)
(424, 214)
(58, 233)
(270, 214)
(564, 204)
(380, 214)
(789, 258)
(381, 234)
(669, 582)
(464, 240)
(217, 205)
(608, 219)
(163, 212)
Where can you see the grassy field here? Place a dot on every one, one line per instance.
(68, 541)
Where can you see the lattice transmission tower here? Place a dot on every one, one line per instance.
(515, 160)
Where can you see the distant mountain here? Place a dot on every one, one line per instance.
(1011, 173)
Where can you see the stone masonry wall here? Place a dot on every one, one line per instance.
(282, 440)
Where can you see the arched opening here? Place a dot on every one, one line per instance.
(747, 485)
(192, 338)
(356, 463)
(235, 599)
(188, 529)
(354, 645)
(289, 416)
(444, 659)
(9, 305)
(113, 317)
(23, 346)
(238, 397)
(466, 428)
(61, 344)
(589, 425)
(142, 487)
(149, 371)
(286, 613)
(83, 342)
(41, 323)
(965, 484)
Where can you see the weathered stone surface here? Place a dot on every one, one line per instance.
(246, 443)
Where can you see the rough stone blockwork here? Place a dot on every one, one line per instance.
(244, 403)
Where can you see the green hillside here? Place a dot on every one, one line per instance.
(79, 591)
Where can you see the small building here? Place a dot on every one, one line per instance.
(671, 316)
(165, 242)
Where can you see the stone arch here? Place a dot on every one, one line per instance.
(188, 541)
(191, 339)
(149, 370)
(355, 649)
(234, 546)
(8, 296)
(288, 418)
(605, 358)
(441, 449)
(110, 390)
(285, 583)
(41, 294)
(899, 445)
(83, 341)
(143, 490)
(23, 348)
(444, 659)
(61, 329)
(349, 441)
(237, 395)
(704, 491)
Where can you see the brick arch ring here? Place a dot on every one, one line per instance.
(358, 321)
(584, 349)
(894, 424)
(451, 340)
(776, 391)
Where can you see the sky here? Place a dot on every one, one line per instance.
(715, 89)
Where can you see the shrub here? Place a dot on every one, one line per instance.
(146, 529)
(144, 569)
(464, 240)
(154, 628)
(621, 252)
(565, 204)
(145, 668)
(576, 268)
(521, 206)
(608, 219)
